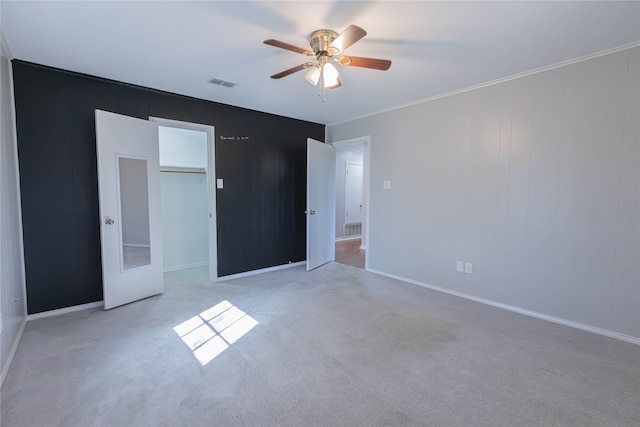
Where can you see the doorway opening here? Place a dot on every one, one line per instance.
(187, 176)
(352, 176)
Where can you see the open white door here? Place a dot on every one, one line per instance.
(321, 203)
(129, 195)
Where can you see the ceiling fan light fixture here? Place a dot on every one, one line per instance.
(329, 75)
(326, 45)
(337, 85)
(313, 75)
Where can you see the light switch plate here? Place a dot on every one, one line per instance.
(386, 184)
(468, 267)
(460, 266)
(219, 183)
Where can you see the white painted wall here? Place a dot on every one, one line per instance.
(185, 200)
(12, 288)
(343, 155)
(185, 231)
(182, 148)
(534, 180)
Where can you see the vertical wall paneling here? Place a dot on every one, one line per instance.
(12, 295)
(602, 178)
(534, 180)
(519, 166)
(569, 152)
(503, 179)
(547, 122)
(260, 156)
(625, 314)
(483, 176)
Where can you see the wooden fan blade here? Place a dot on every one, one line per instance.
(348, 37)
(287, 46)
(356, 61)
(292, 70)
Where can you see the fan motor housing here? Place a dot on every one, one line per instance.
(320, 40)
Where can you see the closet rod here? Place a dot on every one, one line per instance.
(183, 171)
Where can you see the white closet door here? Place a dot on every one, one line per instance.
(129, 195)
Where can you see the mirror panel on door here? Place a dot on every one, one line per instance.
(134, 212)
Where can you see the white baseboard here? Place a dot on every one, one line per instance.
(186, 266)
(14, 348)
(65, 310)
(558, 320)
(262, 270)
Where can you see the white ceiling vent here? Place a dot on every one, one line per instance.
(221, 82)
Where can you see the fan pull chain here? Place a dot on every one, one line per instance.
(322, 88)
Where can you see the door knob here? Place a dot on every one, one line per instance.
(311, 212)
(109, 221)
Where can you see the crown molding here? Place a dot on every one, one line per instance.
(495, 82)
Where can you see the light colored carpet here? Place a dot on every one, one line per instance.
(337, 346)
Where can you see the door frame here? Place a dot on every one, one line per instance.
(366, 140)
(211, 184)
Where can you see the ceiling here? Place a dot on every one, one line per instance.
(436, 47)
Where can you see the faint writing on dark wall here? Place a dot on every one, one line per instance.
(233, 138)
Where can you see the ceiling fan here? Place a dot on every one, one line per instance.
(328, 45)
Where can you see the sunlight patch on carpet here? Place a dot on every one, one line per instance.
(211, 332)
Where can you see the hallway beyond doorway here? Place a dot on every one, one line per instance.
(348, 252)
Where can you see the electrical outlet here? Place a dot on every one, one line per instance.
(468, 267)
(460, 266)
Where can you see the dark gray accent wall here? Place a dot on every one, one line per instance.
(260, 211)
